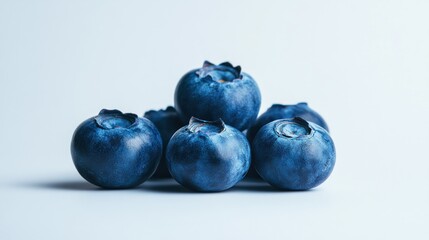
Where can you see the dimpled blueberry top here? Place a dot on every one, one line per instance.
(205, 128)
(280, 111)
(291, 129)
(221, 73)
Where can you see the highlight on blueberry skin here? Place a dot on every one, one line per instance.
(114, 150)
(280, 111)
(218, 91)
(208, 156)
(293, 154)
(167, 122)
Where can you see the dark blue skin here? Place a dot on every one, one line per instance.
(218, 91)
(168, 122)
(115, 150)
(208, 156)
(293, 154)
(280, 111)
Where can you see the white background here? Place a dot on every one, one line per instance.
(364, 65)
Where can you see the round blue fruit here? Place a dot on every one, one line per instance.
(168, 122)
(208, 156)
(218, 91)
(115, 150)
(293, 154)
(280, 111)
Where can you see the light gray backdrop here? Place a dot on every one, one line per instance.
(364, 65)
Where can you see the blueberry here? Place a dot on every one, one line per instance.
(115, 150)
(168, 122)
(208, 156)
(218, 91)
(280, 111)
(293, 154)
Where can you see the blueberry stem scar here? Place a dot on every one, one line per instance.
(198, 125)
(112, 119)
(293, 128)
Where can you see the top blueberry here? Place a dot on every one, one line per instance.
(218, 91)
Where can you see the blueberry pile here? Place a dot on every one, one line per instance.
(200, 142)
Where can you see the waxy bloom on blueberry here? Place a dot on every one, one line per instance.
(208, 155)
(116, 150)
(218, 91)
(168, 122)
(293, 154)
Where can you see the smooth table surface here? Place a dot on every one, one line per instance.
(65, 206)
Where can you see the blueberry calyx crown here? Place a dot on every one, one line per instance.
(293, 128)
(113, 119)
(224, 72)
(300, 104)
(168, 110)
(197, 125)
